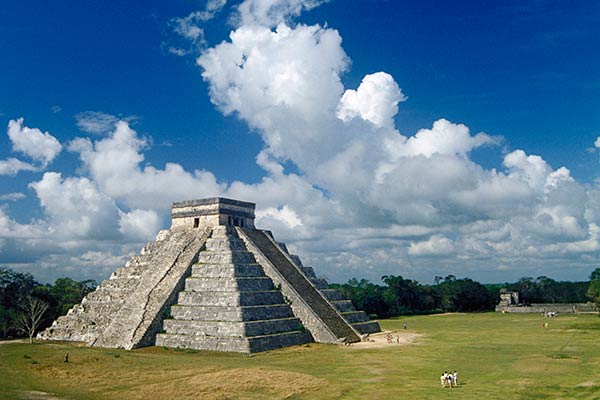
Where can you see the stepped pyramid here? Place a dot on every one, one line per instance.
(212, 282)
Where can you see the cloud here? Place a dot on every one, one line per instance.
(56, 109)
(436, 245)
(12, 166)
(76, 208)
(114, 165)
(15, 196)
(272, 12)
(284, 215)
(38, 145)
(597, 142)
(446, 138)
(190, 29)
(140, 224)
(98, 122)
(376, 100)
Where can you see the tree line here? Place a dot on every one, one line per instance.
(400, 296)
(27, 306)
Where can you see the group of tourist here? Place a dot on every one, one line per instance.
(449, 379)
(390, 338)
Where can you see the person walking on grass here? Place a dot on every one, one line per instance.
(455, 378)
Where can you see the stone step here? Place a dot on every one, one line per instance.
(333, 294)
(226, 257)
(224, 243)
(231, 329)
(240, 345)
(227, 270)
(230, 298)
(119, 283)
(344, 305)
(223, 231)
(231, 313)
(355, 316)
(95, 308)
(297, 261)
(309, 272)
(367, 327)
(319, 283)
(107, 296)
(224, 284)
(199, 342)
(276, 341)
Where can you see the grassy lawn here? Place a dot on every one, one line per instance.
(498, 356)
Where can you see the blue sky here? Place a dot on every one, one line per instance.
(526, 75)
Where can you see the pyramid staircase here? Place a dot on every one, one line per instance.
(358, 319)
(318, 314)
(229, 304)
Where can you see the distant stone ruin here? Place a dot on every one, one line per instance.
(509, 303)
(508, 298)
(212, 282)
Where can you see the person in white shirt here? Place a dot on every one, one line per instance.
(455, 379)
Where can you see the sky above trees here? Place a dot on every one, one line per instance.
(376, 137)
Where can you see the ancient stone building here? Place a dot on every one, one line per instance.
(212, 282)
(509, 303)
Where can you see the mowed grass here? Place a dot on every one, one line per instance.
(498, 356)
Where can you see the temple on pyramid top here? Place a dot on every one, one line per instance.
(213, 282)
(212, 212)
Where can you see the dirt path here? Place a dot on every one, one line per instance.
(13, 341)
(379, 340)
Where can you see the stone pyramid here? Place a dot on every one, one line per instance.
(212, 282)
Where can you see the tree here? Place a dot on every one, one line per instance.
(68, 292)
(593, 292)
(7, 320)
(33, 312)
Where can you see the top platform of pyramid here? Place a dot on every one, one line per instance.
(212, 212)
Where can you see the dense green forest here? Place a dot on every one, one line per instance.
(400, 296)
(396, 296)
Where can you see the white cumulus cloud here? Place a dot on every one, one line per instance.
(38, 145)
(376, 100)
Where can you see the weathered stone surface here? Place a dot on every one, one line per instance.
(247, 283)
(550, 307)
(230, 313)
(255, 298)
(235, 344)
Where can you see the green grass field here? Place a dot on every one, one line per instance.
(498, 356)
